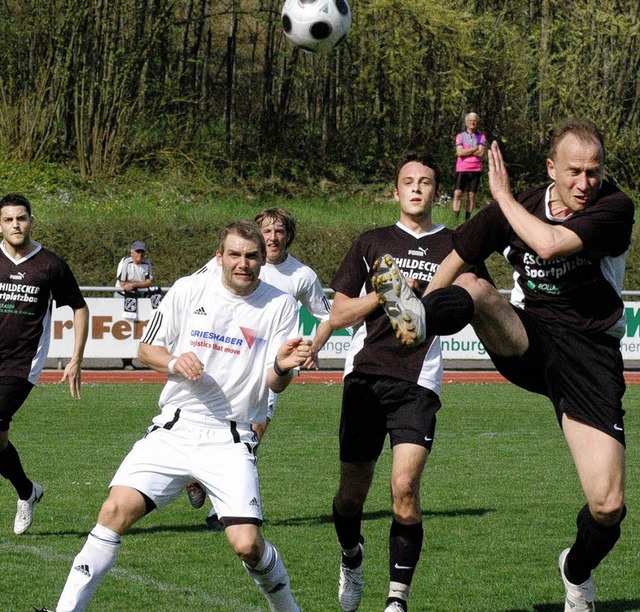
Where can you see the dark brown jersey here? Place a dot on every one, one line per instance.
(581, 291)
(27, 288)
(375, 349)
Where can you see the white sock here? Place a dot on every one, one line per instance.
(270, 576)
(88, 569)
(399, 590)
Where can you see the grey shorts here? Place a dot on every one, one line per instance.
(582, 374)
(374, 406)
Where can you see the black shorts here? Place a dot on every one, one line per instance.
(373, 406)
(468, 181)
(13, 392)
(582, 374)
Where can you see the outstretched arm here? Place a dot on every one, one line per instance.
(451, 267)
(73, 371)
(292, 354)
(347, 311)
(323, 333)
(546, 240)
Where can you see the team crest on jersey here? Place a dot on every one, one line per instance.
(251, 336)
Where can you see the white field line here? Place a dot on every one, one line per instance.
(125, 575)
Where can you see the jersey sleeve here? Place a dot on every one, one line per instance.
(485, 233)
(285, 327)
(149, 269)
(164, 327)
(314, 299)
(352, 273)
(605, 227)
(120, 273)
(65, 290)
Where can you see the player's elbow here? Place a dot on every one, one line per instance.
(143, 353)
(338, 321)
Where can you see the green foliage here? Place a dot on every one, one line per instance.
(178, 210)
(216, 85)
(499, 498)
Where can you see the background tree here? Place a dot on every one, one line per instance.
(107, 84)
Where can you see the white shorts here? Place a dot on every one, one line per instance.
(271, 406)
(220, 457)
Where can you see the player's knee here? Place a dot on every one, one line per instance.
(114, 516)
(608, 510)
(247, 549)
(119, 513)
(349, 502)
(405, 496)
(473, 284)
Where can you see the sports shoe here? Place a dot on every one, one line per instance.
(578, 597)
(395, 606)
(196, 495)
(24, 515)
(402, 305)
(350, 584)
(213, 523)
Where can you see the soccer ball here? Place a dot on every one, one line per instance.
(316, 25)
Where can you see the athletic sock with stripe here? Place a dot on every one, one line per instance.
(89, 567)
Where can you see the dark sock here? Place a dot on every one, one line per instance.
(448, 310)
(467, 216)
(11, 468)
(405, 544)
(347, 529)
(593, 543)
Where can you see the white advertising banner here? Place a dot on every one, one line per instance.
(114, 335)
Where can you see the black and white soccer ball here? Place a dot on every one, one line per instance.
(316, 25)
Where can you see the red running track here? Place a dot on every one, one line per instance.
(320, 376)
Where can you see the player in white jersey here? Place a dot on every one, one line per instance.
(224, 342)
(290, 275)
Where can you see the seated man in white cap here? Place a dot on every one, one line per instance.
(133, 278)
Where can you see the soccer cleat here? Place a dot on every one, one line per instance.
(213, 523)
(24, 514)
(402, 305)
(196, 495)
(395, 606)
(43, 610)
(578, 597)
(350, 584)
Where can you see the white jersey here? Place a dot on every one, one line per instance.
(235, 337)
(300, 281)
(129, 271)
(292, 277)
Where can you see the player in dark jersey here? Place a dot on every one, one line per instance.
(560, 335)
(31, 278)
(388, 388)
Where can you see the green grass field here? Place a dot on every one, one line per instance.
(499, 496)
